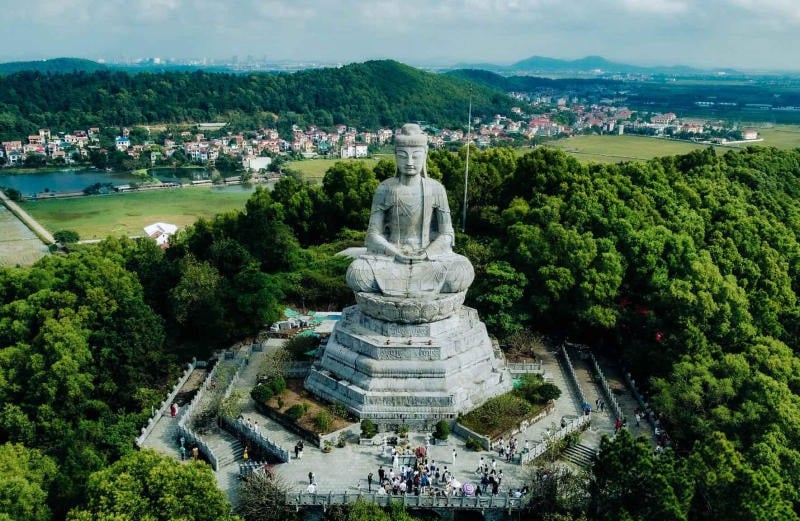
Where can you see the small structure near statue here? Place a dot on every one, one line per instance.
(409, 353)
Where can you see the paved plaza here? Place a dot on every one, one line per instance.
(346, 469)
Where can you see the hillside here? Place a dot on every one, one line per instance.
(527, 83)
(365, 95)
(56, 65)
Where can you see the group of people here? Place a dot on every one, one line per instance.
(426, 477)
(252, 425)
(507, 450)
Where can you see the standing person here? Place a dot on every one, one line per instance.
(369, 482)
(310, 478)
(245, 455)
(381, 474)
(173, 410)
(454, 457)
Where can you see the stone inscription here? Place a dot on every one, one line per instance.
(407, 330)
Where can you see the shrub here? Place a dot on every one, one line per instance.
(368, 428)
(474, 444)
(306, 406)
(295, 412)
(281, 402)
(66, 236)
(277, 384)
(323, 421)
(339, 409)
(402, 431)
(299, 345)
(442, 430)
(498, 414)
(261, 393)
(549, 391)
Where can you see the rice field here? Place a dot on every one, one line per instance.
(18, 245)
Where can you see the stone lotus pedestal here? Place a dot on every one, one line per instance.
(409, 361)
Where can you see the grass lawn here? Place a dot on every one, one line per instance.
(314, 169)
(96, 217)
(780, 136)
(613, 149)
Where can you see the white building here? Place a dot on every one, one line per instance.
(161, 232)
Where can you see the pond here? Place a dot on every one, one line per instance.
(73, 180)
(61, 180)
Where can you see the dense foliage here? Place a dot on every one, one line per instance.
(367, 96)
(684, 267)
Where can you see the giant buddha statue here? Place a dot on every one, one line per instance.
(409, 262)
(409, 352)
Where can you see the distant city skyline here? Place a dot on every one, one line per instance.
(742, 34)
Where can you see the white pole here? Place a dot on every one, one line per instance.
(466, 171)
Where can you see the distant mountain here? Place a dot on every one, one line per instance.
(56, 65)
(589, 65)
(527, 83)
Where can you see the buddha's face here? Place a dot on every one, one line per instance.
(410, 160)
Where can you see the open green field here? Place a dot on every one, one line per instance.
(613, 149)
(780, 136)
(314, 169)
(96, 217)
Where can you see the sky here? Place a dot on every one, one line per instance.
(744, 34)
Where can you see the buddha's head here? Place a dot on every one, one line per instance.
(411, 151)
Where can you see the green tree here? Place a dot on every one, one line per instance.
(25, 476)
(629, 482)
(147, 485)
(262, 497)
(66, 236)
(349, 187)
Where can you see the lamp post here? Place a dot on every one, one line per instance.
(466, 170)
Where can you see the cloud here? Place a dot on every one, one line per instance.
(415, 31)
(661, 7)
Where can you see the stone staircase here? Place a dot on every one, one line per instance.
(227, 448)
(580, 455)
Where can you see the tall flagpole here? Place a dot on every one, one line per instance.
(466, 171)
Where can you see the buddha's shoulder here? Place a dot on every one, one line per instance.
(432, 186)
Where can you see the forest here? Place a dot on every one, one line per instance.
(366, 96)
(684, 268)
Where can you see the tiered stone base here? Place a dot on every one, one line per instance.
(414, 374)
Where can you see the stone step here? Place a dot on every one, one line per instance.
(580, 455)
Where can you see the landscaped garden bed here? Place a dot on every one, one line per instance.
(506, 412)
(289, 403)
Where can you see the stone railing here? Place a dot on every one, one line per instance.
(571, 425)
(572, 376)
(612, 400)
(164, 407)
(648, 414)
(601, 379)
(525, 368)
(186, 413)
(256, 440)
(503, 501)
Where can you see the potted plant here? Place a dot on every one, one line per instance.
(327, 446)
